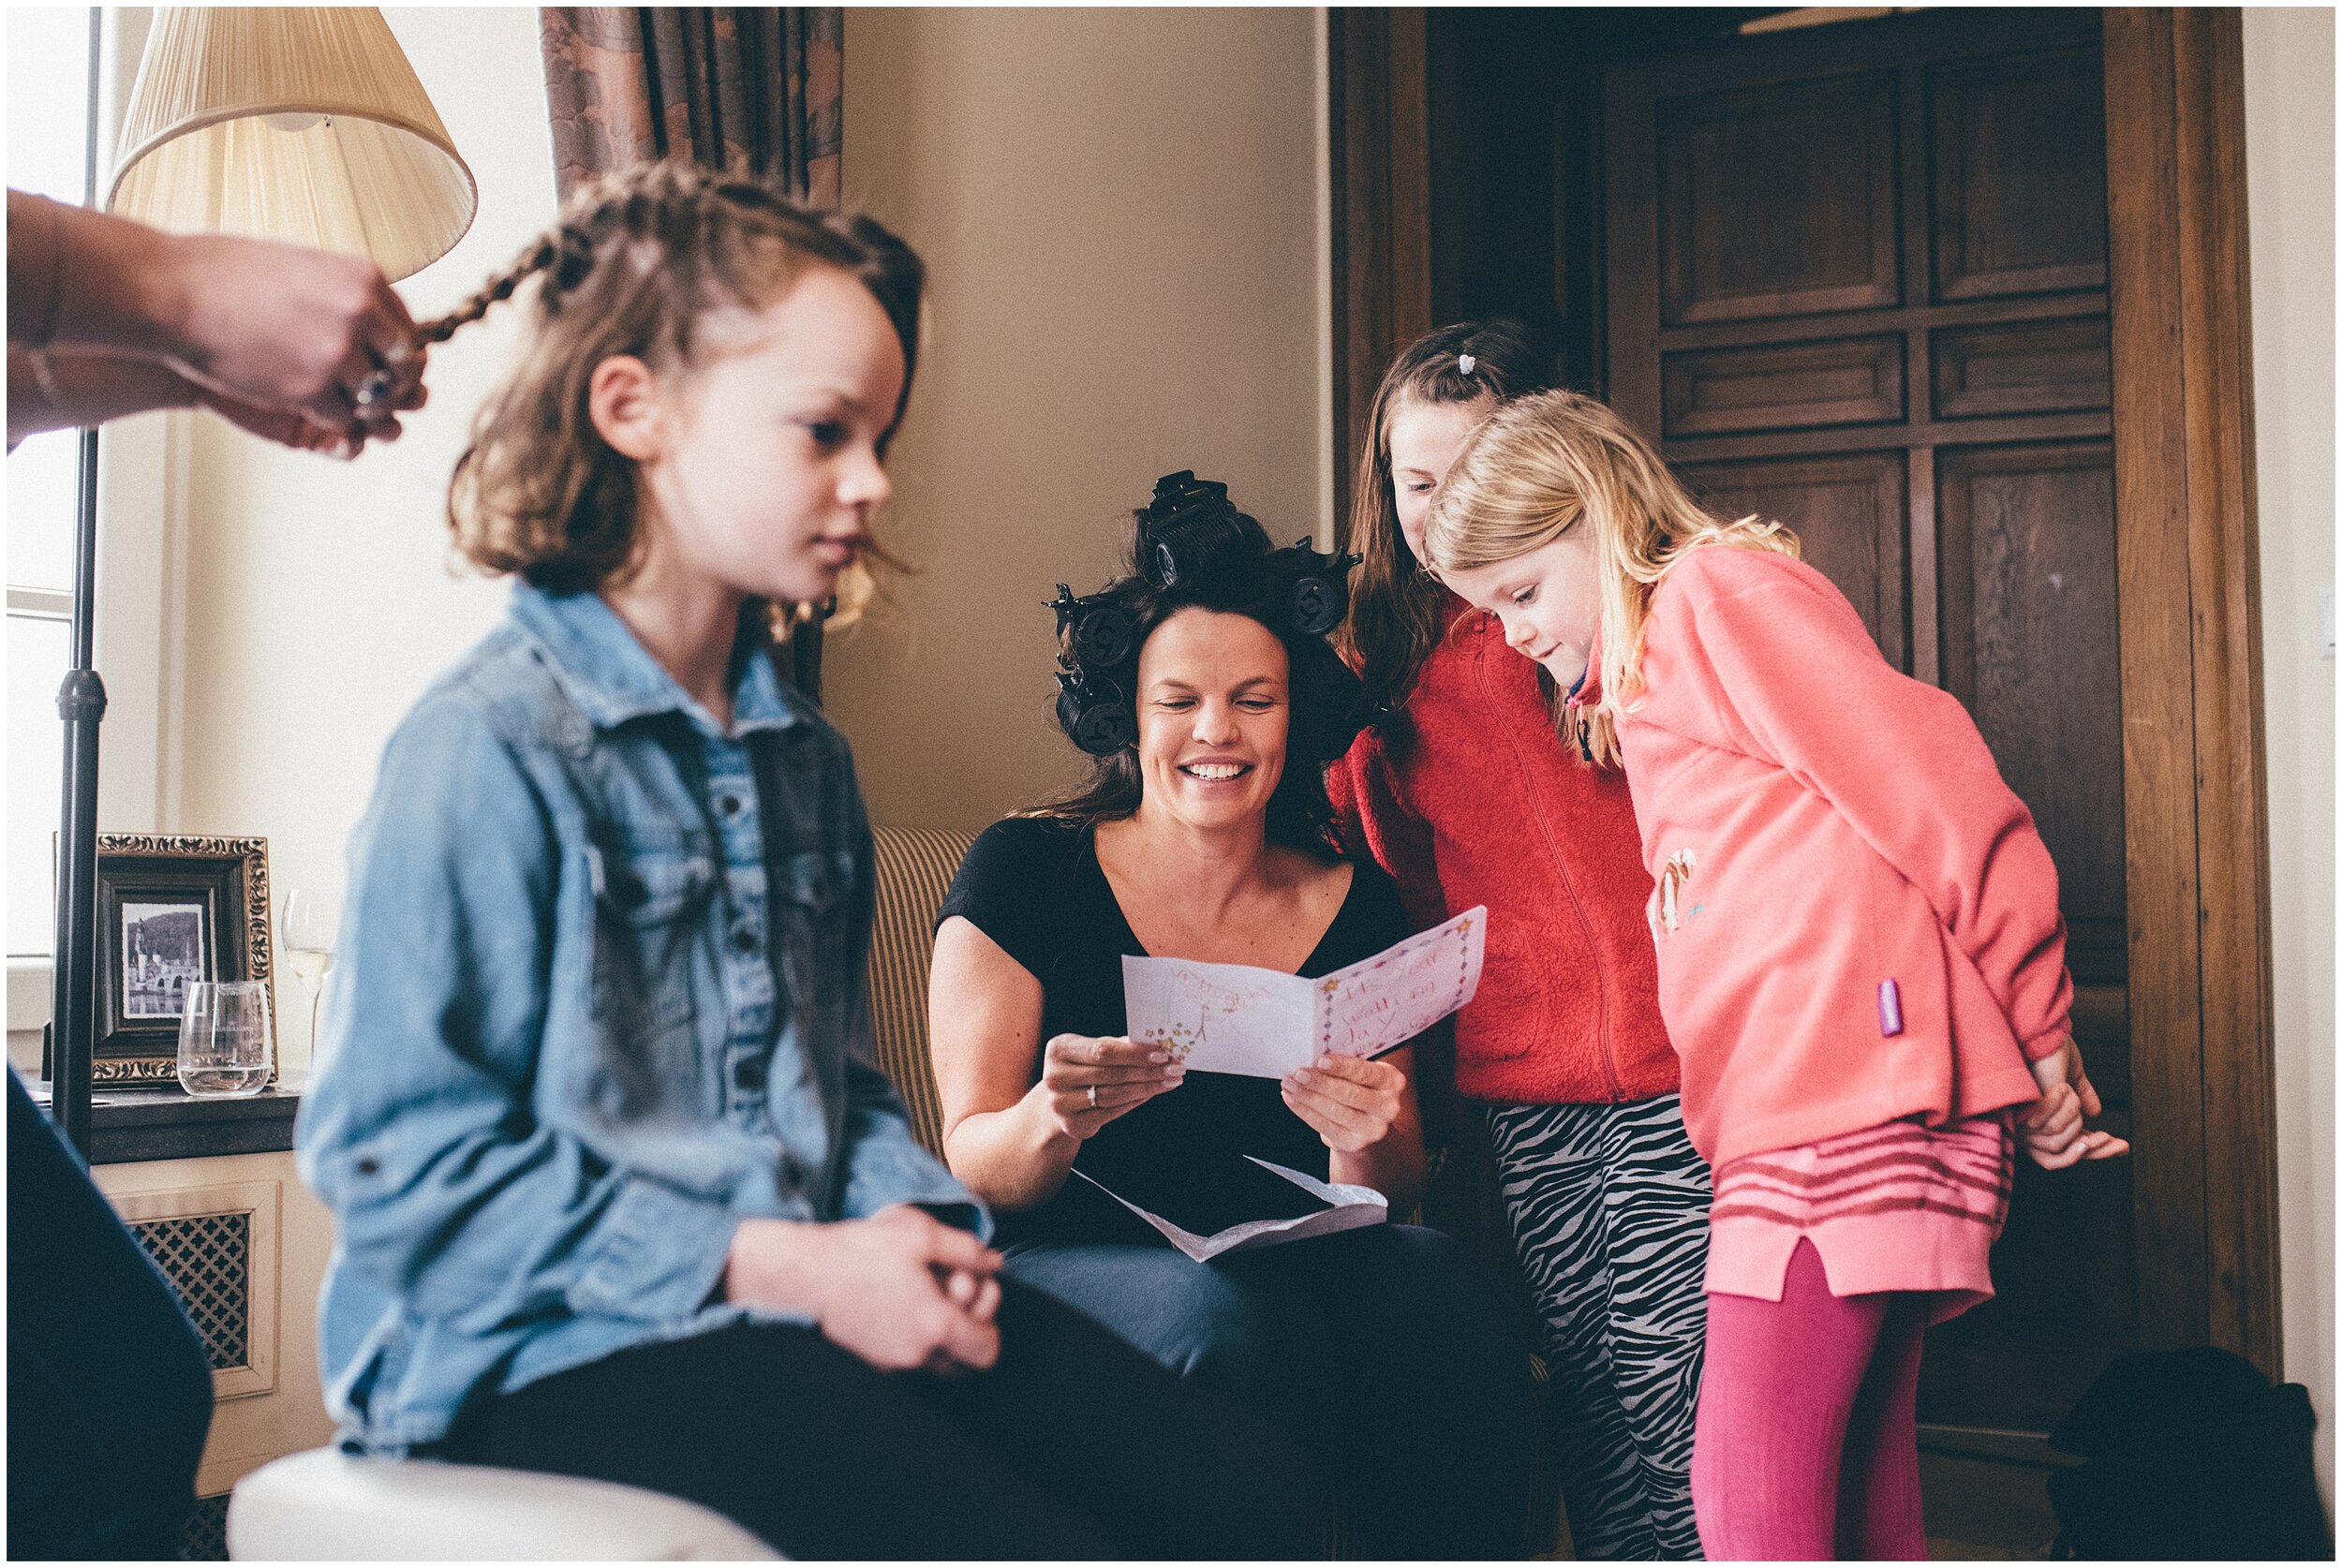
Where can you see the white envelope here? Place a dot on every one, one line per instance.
(1236, 1019)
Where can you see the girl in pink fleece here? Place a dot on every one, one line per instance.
(1862, 962)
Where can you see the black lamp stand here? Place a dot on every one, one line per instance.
(82, 704)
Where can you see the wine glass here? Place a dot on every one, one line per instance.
(305, 933)
(225, 1042)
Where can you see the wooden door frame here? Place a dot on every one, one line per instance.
(2195, 784)
(2195, 776)
(1378, 96)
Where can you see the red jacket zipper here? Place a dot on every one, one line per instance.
(1553, 854)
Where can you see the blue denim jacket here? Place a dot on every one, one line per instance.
(600, 995)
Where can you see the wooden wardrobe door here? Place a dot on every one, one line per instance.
(1858, 282)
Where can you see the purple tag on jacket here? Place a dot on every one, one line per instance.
(1889, 1008)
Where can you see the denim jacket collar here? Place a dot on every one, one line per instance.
(613, 679)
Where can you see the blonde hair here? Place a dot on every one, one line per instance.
(636, 259)
(1540, 467)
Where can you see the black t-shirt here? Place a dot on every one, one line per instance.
(1034, 886)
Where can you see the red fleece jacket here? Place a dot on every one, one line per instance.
(1822, 825)
(1466, 795)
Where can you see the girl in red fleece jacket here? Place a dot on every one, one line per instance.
(1466, 795)
(1862, 962)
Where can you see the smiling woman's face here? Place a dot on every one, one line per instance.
(1213, 714)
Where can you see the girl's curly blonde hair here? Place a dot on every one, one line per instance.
(635, 262)
(1540, 467)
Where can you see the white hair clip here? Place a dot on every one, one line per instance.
(1465, 362)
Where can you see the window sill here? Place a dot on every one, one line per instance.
(165, 1122)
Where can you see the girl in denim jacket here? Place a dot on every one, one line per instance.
(618, 1191)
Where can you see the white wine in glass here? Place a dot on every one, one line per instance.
(304, 934)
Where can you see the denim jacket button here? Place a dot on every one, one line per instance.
(730, 806)
(743, 941)
(749, 1072)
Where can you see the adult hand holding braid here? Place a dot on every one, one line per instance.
(107, 317)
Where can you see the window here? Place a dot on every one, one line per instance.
(50, 66)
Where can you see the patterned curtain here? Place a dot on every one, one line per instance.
(752, 88)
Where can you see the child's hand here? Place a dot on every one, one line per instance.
(2051, 1127)
(901, 1290)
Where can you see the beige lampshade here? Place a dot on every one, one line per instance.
(301, 123)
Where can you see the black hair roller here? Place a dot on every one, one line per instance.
(1313, 589)
(1097, 718)
(1103, 630)
(1188, 530)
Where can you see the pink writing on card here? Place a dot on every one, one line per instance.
(1383, 1001)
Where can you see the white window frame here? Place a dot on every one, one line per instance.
(143, 486)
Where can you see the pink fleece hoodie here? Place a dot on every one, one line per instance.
(1820, 825)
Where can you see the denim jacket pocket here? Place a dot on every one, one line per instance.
(648, 912)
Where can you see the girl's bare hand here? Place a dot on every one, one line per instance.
(901, 1289)
(2053, 1128)
(1352, 1103)
(1087, 1081)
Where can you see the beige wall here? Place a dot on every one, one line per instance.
(1121, 212)
(2288, 152)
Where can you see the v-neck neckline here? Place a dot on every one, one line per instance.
(1129, 932)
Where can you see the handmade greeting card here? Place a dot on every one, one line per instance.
(1236, 1019)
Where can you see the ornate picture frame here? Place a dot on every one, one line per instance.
(171, 910)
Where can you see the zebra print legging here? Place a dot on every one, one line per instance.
(1609, 1208)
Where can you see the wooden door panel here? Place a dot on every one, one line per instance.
(1778, 201)
(1849, 514)
(2020, 174)
(2023, 367)
(1788, 386)
(2029, 629)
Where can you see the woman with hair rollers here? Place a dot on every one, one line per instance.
(1467, 795)
(1202, 685)
(618, 1190)
(1861, 955)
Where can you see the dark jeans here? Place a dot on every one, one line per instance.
(1073, 1445)
(1384, 1350)
(109, 1393)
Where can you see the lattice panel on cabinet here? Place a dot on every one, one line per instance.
(205, 1537)
(208, 1260)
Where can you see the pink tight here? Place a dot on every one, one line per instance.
(1806, 1446)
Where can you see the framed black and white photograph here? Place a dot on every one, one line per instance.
(162, 954)
(172, 910)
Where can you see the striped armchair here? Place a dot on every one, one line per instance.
(915, 868)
